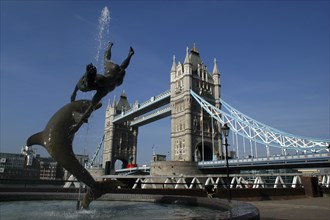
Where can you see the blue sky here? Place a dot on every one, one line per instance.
(273, 57)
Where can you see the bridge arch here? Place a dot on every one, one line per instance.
(121, 162)
(208, 154)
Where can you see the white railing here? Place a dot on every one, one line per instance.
(288, 180)
(269, 160)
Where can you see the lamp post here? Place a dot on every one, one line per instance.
(225, 131)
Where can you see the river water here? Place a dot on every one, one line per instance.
(61, 210)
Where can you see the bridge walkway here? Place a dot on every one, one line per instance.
(316, 208)
(153, 103)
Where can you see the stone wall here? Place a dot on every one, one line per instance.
(169, 168)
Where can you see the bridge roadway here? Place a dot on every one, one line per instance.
(272, 162)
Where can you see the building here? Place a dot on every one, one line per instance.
(20, 166)
(16, 166)
(158, 157)
(50, 169)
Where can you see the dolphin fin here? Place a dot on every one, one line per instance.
(35, 139)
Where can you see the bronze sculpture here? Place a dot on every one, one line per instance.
(57, 138)
(58, 135)
(103, 84)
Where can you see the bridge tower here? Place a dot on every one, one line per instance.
(195, 136)
(120, 140)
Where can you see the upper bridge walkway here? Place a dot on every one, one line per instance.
(153, 103)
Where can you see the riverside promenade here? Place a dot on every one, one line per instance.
(309, 208)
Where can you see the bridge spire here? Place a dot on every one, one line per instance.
(114, 101)
(195, 48)
(187, 60)
(187, 65)
(215, 68)
(173, 69)
(216, 81)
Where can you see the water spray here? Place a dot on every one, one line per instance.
(103, 32)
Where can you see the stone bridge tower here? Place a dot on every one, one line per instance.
(120, 140)
(195, 136)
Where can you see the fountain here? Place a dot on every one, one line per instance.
(54, 210)
(103, 32)
(123, 206)
(57, 138)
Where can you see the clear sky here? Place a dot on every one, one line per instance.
(273, 57)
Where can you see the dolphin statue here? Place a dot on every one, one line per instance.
(57, 138)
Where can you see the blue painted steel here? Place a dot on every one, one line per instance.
(258, 132)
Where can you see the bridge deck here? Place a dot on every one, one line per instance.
(295, 161)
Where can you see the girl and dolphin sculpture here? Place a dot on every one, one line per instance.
(58, 135)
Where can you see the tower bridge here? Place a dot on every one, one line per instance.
(197, 116)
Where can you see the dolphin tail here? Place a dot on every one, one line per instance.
(100, 189)
(35, 139)
(108, 185)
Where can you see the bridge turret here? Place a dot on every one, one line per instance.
(109, 130)
(120, 139)
(122, 104)
(217, 85)
(173, 69)
(187, 65)
(187, 128)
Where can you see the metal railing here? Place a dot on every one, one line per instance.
(284, 159)
(288, 180)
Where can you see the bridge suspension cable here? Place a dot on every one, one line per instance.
(258, 132)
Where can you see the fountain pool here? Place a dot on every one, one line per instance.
(130, 207)
(61, 210)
